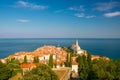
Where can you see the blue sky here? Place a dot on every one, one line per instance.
(59, 18)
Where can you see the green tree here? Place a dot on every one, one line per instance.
(89, 60)
(85, 69)
(68, 60)
(42, 72)
(69, 50)
(51, 61)
(80, 63)
(117, 74)
(14, 65)
(98, 69)
(103, 70)
(5, 72)
(25, 59)
(36, 59)
(82, 67)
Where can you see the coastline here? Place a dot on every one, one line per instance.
(102, 47)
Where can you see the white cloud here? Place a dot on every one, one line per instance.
(23, 20)
(30, 5)
(106, 6)
(112, 14)
(92, 16)
(80, 8)
(82, 15)
(73, 8)
(23, 4)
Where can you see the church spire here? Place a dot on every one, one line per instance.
(77, 45)
(77, 42)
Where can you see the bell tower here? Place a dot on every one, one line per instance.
(77, 43)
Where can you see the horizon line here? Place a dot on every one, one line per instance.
(60, 38)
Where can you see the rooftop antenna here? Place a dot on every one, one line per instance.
(76, 36)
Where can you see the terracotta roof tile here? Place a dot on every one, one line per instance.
(74, 63)
(27, 65)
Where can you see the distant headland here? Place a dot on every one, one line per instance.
(59, 55)
(67, 62)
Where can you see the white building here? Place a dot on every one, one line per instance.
(3, 60)
(46, 57)
(77, 48)
(75, 66)
(41, 58)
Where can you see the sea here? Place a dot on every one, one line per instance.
(109, 47)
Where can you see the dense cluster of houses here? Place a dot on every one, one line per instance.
(43, 54)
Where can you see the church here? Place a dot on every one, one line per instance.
(76, 48)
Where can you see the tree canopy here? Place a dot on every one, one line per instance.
(14, 65)
(51, 61)
(42, 72)
(68, 60)
(25, 59)
(100, 69)
(5, 72)
(36, 59)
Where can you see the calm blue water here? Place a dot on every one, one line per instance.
(102, 47)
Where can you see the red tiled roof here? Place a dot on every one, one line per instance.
(74, 63)
(95, 57)
(27, 65)
(42, 51)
